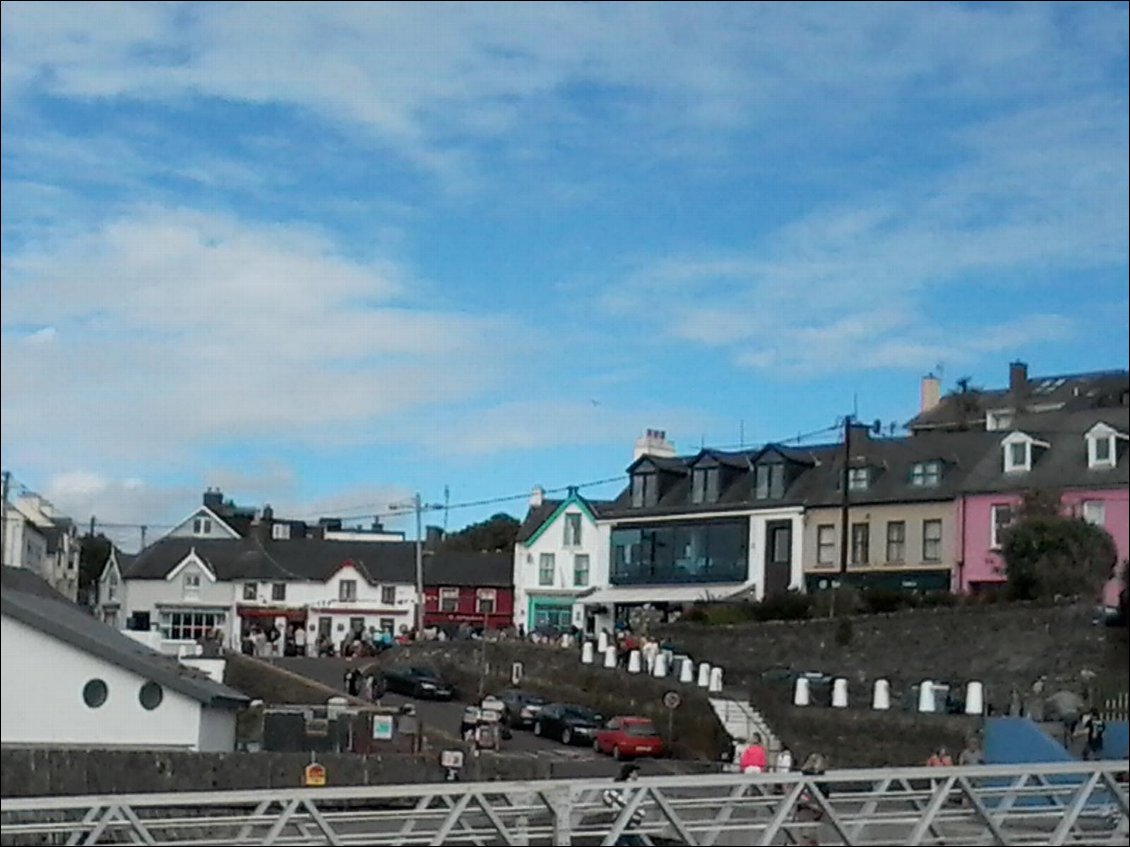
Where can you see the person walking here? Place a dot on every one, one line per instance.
(1093, 726)
(617, 801)
(753, 759)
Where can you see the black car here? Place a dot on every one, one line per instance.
(568, 723)
(423, 683)
(522, 707)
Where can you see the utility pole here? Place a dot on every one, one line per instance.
(5, 481)
(419, 565)
(845, 502)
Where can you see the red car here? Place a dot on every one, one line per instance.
(628, 737)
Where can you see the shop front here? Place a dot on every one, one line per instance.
(550, 614)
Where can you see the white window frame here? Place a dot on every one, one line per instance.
(859, 479)
(547, 564)
(998, 419)
(995, 526)
(347, 591)
(448, 594)
(1093, 512)
(926, 474)
(280, 531)
(277, 585)
(191, 585)
(573, 529)
(111, 588)
(250, 591)
(388, 591)
(486, 595)
(823, 546)
(926, 539)
(186, 625)
(577, 583)
(202, 525)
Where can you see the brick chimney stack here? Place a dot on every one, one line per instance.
(1018, 377)
(930, 394)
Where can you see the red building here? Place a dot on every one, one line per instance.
(471, 588)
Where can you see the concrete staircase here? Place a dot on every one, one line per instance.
(741, 720)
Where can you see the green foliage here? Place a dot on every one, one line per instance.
(494, 535)
(95, 551)
(1052, 555)
(790, 606)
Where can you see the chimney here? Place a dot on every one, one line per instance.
(1017, 377)
(537, 497)
(654, 443)
(433, 537)
(930, 394)
(859, 435)
(377, 525)
(214, 499)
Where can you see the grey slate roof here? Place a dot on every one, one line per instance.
(21, 579)
(317, 560)
(1075, 391)
(72, 625)
(1061, 466)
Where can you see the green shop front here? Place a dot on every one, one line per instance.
(550, 612)
(918, 581)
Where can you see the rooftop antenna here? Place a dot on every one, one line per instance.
(446, 505)
(855, 404)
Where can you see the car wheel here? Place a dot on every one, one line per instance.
(566, 736)
(537, 729)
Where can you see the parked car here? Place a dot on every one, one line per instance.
(423, 683)
(629, 737)
(520, 708)
(567, 723)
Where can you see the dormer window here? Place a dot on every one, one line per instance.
(704, 485)
(1019, 452)
(645, 489)
(1102, 446)
(769, 481)
(859, 479)
(926, 474)
(202, 526)
(998, 419)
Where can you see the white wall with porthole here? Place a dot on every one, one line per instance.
(57, 694)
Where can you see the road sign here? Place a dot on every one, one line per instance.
(672, 700)
(314, 776)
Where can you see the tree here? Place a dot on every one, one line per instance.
(94, 554)
(497, 534)
(1048, 554)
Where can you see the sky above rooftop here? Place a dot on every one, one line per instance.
(325, 255)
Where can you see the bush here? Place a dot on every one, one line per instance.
(1049, 556)
(879, 601)
(790, 606)
(836, 602)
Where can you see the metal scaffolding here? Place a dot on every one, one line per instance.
(1063, 803)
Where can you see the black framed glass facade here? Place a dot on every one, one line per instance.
(699, 552)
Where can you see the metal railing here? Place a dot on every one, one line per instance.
(1063, 803)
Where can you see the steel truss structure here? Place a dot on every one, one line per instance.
(1065, 803)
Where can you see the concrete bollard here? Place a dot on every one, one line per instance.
(839, 693)
(587, 653)
(634, 662)
(660, 669)
(926, 696)
(802, 696)
(715, 681)
(610, 657)
(881, 699)
(974, 698)
(686, 671)
(602, 642)
(566, 641)
(704, 675)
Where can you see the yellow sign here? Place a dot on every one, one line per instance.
(314, 775)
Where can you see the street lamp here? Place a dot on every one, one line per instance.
(418, 506)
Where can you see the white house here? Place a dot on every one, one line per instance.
(560, 554)
(38, 537)
(186, 588)
(69, 679)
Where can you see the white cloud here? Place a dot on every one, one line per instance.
(172, 329)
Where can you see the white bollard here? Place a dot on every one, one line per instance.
(566, 641)
(634, 661)
(839, 693)
(881, 699)
(715, 681)
(926, 696)
(686, 671)
(610, 657)
(974, 698)
(602, 642)
(704, 675)
(660, 669)
(586, 653)
(802, 696)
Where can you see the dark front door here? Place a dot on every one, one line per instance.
(778, 556)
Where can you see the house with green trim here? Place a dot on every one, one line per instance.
(559, 555)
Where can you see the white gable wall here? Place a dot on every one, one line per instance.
(211, 527)
(43, 680)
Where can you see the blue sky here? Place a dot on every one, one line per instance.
(326, 255)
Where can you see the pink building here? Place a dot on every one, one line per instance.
(1083, 455)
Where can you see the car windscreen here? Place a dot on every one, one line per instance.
(581, 715)
(642, 729)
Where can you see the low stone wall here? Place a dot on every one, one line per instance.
(478, 668)
(36, 772)
(1003, 646)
